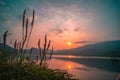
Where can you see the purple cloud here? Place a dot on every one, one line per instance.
(79, 42)
(77, 29)
(57, 31)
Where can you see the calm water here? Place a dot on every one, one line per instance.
(86, 68)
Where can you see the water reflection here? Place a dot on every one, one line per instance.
(80, 71)
(61, 64)
(96, 68)
(69, 66)
(70, 56)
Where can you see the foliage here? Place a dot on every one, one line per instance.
(30, 71)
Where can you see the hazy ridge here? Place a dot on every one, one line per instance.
(107, 48)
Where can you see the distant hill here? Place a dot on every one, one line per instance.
(107, 48)
(34, 51)
(9, 50)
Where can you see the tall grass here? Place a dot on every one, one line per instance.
(118, 77)
(26, 34)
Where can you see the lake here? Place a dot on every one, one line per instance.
(86, 68)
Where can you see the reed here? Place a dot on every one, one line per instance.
(118, 77)
(15, 46)
(3, 50)
(31, 28)
(4, 39)
(26, 32)
(23, 24)
(40, 54)
(51, 53)
(44, 52)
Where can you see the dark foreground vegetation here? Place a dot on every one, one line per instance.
(29, 71)
(18, 66)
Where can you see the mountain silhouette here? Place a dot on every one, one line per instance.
(9, 50)
(107, 48)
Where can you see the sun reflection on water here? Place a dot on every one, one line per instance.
(69, 66)
(79, 70)
(69, 56)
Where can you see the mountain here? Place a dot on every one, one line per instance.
(107, 48)
(34, 51)
(9, 50)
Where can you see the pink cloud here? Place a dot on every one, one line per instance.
(64, 20)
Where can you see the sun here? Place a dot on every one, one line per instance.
(69, 43)
(69, 66)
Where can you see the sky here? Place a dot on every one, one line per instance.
(80, 22)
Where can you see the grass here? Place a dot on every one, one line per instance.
(19, 67)
(30, 71)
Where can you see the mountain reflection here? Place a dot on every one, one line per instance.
(93, 67)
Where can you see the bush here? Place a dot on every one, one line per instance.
(30, 71)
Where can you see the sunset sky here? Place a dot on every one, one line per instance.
(80, 22)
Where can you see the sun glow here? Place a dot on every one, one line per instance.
(69, 56)
(69, 66)
(69, 43)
